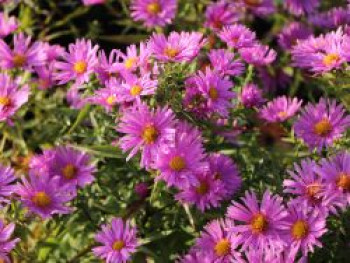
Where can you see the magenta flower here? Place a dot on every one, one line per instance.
(24, 55)
(11, 97)
(93, 2)
(303, 227)
(259, 223)
(145, 130)
(7, 177)
(292, 33)
(45, 78)
(72, 166)
(280, 109)
(6, 245)
(332, 18)
(225, 170)
(220, 14)
(259, 7)
(78, 63)
(154, 12)
(40, 163)
(177, 47)
(137, 59)
(301, 7)
(321, 124)
(7, 25)
(180, 159)
(224, 63)
(237, 36)
(118, 241)
(107, 68)
(44, 195)
(195, 256)
(53, 52)
(106, 97)
(251, 96)
(258, 55)
(219, 244)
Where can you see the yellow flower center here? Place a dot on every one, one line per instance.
(154, 8)
(203, 188)
(300, 229)
(41, 199)
(223, 247)
(19, 60)
(111, 100)
(171, 52)
(118, 245)
(312, 191)
(150, 134)
(69, 171)
(177, 163)
(331, 59)
(5, 101)
(129, 63)
(343, 181)
(282, 114)
(213, 93)
(135, 90)
(259, 223)
(323, 128)
(80, 67)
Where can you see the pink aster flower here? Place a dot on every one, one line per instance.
(225, 170)
(106, 68)
(291, 33)
(259, 7)
(78, 63)
(93, 2)
(220, 14)
(137, 58)
(45, 78)
(24, 55)
(106, 97)
(154, 12)
(207, 193)
(259, 223)
(177, 47)
(219, 244)
(336, 174)
(251, 96)
(6, 245)
(118, 241)
(195, 256)
(11, 97)
(72, 166)
(180, 159)
(44, 195)
(237, 36)
(53, 52)
(7, 25)
(321, 124)
(224, 62)
(303, 228)
(280, 109)
(145, 130)
(258, 55)
(7, 177)
(301, 7)
(332, 18)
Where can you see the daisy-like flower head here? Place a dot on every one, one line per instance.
(251, 96)
(224, 63)
(237, 36)
(259, 223)
(78, 63)
(207, 193)
(259, 7)
(280, 109)
(145, 130)
(44, 195)
(180, 159)
(7, 25)
(258, 55)
(7, 177)
(106, 68)
(336, 174)
(24, 55)
(291, 33)
(332, 18)
(11, 97)
(321, 54)
(40, 163)
(106, 97)
(137, 59)
(217, 243)
(72, 166)
(6, 244)
(118, 241)
(220, 14)
(225, 170)
(154, 12)
(321, 124)
(301, 7)
(177, 47)
(303, 227)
